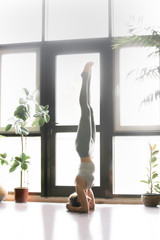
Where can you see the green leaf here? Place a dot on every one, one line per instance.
(5, 162)
(155, 152)
(41, 122)
(157, 186)
(46, 118)
(21, 112)
(27, 107)
(37, 115)
(8, 127)
(155, 165)
(24, 131)
(24, 166)
(2, 162)
(22, 101)
(155, 175)
(144, 181)
(153, 159)
(4, 155)
(46, 107)
(19, 121)
(35, 122)
(25, 157)
(156, 190)
(150, 146)
(153, 147)
(16, 129)
(26, 91)
(27, 162)
(40, 108)
(30, 97)
(18, 159)
(14, 166)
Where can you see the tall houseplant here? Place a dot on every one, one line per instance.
(20, 120)
(151, 198)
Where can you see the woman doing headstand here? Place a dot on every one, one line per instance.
(85, 140)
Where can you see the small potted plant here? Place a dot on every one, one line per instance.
(22, 115)
(3, 161)
(152, 197)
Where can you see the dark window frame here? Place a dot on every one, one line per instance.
(51, 50)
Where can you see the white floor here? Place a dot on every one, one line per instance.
(51, 221)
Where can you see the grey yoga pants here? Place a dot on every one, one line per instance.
(85, 139)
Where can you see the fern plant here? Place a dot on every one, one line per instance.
(151, 38)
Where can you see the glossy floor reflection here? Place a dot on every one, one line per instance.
(51, 221)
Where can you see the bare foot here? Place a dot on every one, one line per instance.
(88, 67)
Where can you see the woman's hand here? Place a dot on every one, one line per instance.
(69, 206)
(76, 209)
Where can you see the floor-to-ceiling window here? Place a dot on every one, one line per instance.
(21, 34)
(136, 108)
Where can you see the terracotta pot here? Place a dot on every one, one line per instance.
(150, 200)
(21, 195)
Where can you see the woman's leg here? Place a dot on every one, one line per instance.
(86, 129)
(93, 126)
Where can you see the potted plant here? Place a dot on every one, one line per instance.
(3, 161)
(152, 197)
(20, 120)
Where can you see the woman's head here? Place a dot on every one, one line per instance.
(74, 200)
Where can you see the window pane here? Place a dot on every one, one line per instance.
(67, 159)
(131, 155)
(20, 21)
(131, 91)
(68, 84)
(12, 146)
(125, 11)
(70, 19)
(18, 71)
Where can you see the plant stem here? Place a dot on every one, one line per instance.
(21, 177)
(22, 142)
(151, 188)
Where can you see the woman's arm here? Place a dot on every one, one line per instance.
(83, 199)
(92, 201)
(80, 189)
